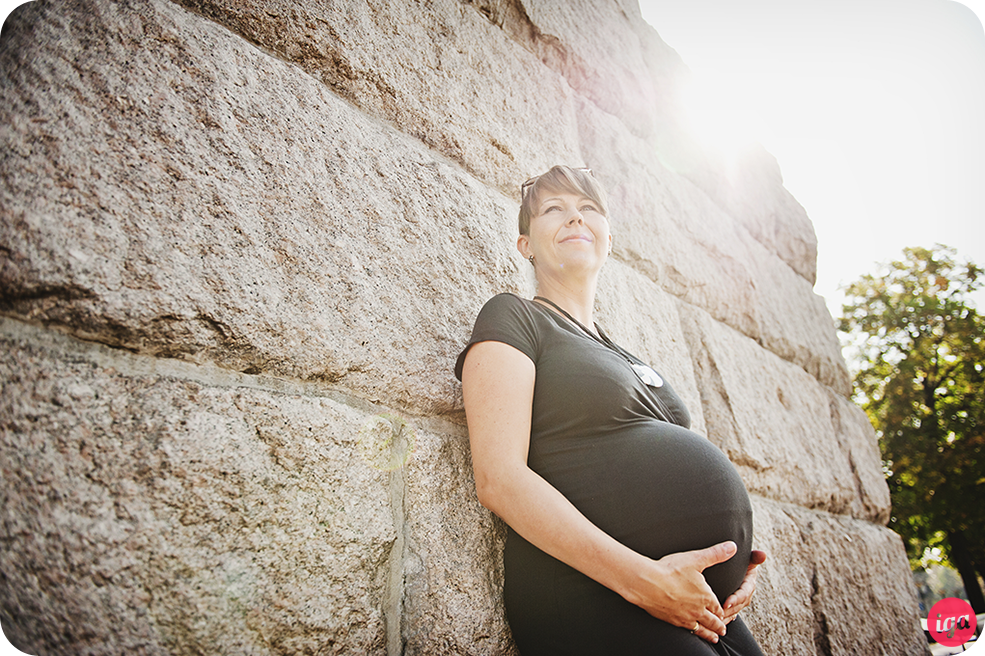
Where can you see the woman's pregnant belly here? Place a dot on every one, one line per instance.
(659, 489)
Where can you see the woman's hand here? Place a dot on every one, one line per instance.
(741, 597)
(677, 592)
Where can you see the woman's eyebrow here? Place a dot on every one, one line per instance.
(542, 205)
(558, 198)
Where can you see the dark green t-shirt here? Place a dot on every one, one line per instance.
(619, 449)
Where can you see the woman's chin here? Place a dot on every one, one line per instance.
(581, 263)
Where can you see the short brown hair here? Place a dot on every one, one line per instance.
(559, 178)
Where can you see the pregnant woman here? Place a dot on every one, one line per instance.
(628, 533)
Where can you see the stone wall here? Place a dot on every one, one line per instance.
(242, 243)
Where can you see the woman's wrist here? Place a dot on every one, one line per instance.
(643, 580)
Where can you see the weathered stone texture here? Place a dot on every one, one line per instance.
(756, 198)
(201, 216)
(241, 244)
(453, 569)
(851, 609)
(446, 76)
(154, 514)
(791, 438)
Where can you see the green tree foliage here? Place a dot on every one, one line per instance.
(918, 345)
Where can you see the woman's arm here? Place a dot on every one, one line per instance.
(498, 387)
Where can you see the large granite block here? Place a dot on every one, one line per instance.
(447, 76)
(453, 602)
(751, 190)
(831, 585)
(172, 190)
(161, 508)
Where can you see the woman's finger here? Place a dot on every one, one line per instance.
(710, 628)
(741, 597)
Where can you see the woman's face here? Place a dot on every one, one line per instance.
(568, 234)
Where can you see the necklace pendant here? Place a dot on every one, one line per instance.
(648, 375)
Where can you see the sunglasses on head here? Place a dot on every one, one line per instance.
(529, 183)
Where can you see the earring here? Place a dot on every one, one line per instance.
(530, 259)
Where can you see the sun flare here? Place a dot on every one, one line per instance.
(721, 115)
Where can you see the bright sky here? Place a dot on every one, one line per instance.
(874, 110)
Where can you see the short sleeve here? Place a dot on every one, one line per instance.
(504, 318)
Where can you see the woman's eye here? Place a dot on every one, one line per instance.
(589, 208)
(552, 208)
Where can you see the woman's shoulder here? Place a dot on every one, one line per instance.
(506, 302)
(506, 318)
(509, 306)
(508, 310)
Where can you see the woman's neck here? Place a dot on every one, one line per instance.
(580, 304)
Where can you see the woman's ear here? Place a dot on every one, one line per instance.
(523, 245)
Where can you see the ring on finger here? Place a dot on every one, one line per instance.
(696, 625)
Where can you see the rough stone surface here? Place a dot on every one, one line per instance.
(447, 75)
(201, 217)
(148, 513)
(453, 572)
(753, 193)
(241, 244)
(849, 609)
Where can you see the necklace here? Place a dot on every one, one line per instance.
(642, 371)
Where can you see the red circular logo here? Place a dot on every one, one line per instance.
(952, 622)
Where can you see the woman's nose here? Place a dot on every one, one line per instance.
(575, 217)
